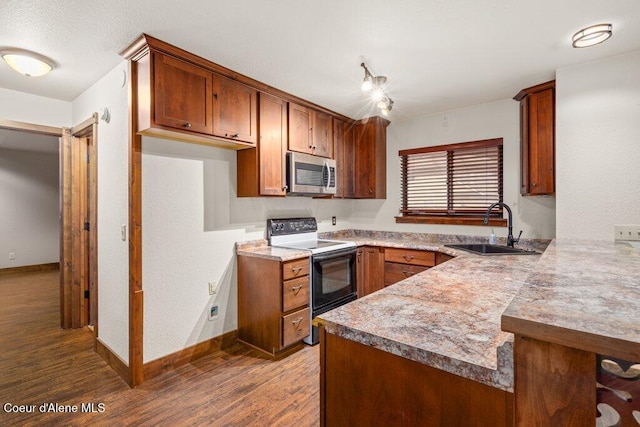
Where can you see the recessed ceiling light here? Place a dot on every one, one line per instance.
(592, 35)
(28, 63)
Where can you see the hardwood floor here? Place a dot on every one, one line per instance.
(42, 363)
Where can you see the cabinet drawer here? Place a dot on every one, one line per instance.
(410, 256)
(394, 272)
(295, 326)
(295, 293)
(296, 268)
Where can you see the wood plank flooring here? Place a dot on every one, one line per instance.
(42, 363)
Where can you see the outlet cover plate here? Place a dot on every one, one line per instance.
(626, 232)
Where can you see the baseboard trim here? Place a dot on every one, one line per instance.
(189, 354)
(31, 268)
(113, 361)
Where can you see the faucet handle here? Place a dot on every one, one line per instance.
(518, 239)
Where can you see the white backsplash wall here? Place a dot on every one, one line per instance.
(113, 205)
(598, 147)
(29, 200)
(534, 215)
(191, 222)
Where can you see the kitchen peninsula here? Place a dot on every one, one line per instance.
(430, 350)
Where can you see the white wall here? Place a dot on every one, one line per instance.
(113, 211)
(598, 147)
(24, 107)
(191, 221)
(29, 195)
(534, 215)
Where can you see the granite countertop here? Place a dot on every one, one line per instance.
(260, 249)
(585, 294)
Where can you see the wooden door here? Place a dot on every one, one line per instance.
(235, 108)
(322, 134)
(183, 95)
(273, 145)
(300, 124)
(541, 143)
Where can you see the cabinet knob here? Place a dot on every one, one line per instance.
(215, 96)
(285, 188)
(187, 125)
(370, 191)
(533, 184)
(235, 135)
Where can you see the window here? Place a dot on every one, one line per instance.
(453, 183)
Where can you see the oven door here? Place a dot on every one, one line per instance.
(333, 277)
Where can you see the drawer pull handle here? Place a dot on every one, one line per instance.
(296, 270)
(296, 323)
(187, 125)
(408, 257)
(407, 273)
(296, 289)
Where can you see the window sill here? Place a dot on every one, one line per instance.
(451, 220)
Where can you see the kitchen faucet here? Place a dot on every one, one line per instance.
(510, 239)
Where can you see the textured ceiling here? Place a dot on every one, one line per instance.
(437, 54)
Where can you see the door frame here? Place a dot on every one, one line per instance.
(74, 212)
(87, 128)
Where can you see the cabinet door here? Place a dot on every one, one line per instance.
(360, 272)
(272, 147)
(322, 134)
(300, 123)
(182, 95)
(234, 110)
(343, 153)
(374, 269)
(370, 159)
(541, 143)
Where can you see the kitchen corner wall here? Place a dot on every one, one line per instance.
(598, 147)
(28, 108)
(191, 222)
(113, 205)
(534, 215)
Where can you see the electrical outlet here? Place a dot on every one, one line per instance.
(333, 220)
(213, 312)
(213, 287)
(626, 232)
(12, 256)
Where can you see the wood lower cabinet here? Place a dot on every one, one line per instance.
(261, 170)
(537, 139)
(403, 263)
(182, 95)
(370, 159)
(310, 131)
(369, 269)
(362, 385)
(273, 304)
(235, 110)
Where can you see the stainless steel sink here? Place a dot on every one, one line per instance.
(485, 249)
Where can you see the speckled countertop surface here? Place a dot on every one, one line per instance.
(260, 249)
(588, 287)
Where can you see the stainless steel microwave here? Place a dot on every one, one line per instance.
(310, 175)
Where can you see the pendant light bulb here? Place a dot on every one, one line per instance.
(366, 85)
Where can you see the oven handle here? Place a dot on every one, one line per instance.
(333, 254)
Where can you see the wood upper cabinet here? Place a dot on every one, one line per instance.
(235, 109)
(537, 139)
(322, 134)
(343, 153)
(182, 95)
(370, 159)
(310, 131)
(370, 270)
(261, 170)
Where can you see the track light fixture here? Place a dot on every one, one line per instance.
(375, 86)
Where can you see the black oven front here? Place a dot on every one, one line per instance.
(333, 282)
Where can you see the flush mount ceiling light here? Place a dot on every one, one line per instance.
(25, 62)
(592, 35)
(375, 86)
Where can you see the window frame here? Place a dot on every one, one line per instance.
(495, 219)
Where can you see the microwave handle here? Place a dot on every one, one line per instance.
(326, 165)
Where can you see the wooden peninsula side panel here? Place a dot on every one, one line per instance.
(379, 388)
